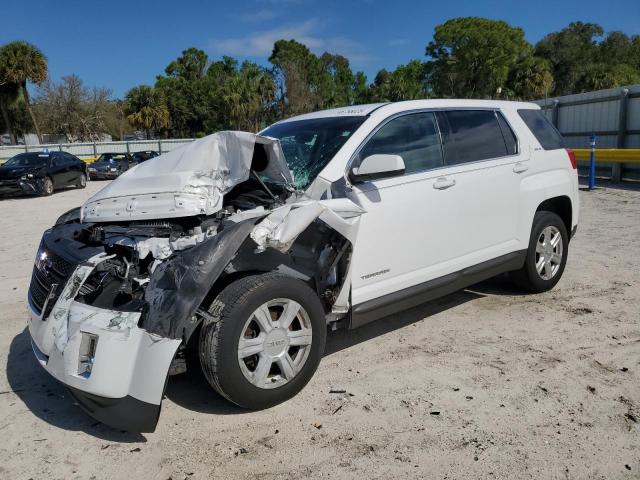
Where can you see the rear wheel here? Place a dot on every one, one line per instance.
(82, 181)
(47, 187)
(546, 255)
(263, 341)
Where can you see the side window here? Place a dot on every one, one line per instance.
(414, 137)
(544, 131)
(471, 135)
(56, 160)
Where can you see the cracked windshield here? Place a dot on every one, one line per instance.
(308, 145)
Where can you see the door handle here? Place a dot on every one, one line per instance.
(443, 183)
(520, 168)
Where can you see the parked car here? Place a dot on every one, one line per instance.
(144, 155)
(110, 165)
(40, 173)
(242, 249)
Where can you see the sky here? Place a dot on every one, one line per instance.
(121, 44)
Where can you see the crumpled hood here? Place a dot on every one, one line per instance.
(190, 180)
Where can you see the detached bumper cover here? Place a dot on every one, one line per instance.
(129, 366)
(127, 413)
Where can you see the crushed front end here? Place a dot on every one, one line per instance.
(117, 285)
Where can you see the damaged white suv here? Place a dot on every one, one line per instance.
(242, 248)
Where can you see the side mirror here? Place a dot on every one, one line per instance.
(377, 166)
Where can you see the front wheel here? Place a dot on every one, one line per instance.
(263, 340)
(47, 187)
(546, 255)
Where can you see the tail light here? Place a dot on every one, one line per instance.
(572, 158)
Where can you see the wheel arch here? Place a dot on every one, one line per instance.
(561, 206)
(204, 271)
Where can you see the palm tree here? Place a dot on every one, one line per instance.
(8, 95)
(21, 62)
(146, 108)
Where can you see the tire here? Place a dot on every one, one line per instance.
(242, 381)
(82, 181)
(546, 225)
(47, 187)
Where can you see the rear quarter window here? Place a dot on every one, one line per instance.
(547, 135)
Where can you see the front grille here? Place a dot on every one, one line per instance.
(9, 183)
(49, 269)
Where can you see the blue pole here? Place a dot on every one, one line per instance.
(592, 163)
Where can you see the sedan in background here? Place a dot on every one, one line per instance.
(40, 173)
(144, 155)
(110, 165)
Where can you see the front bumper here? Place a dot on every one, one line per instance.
(129, 366)
(96, 175)
(16, 187)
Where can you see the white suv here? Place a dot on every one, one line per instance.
(242, 248)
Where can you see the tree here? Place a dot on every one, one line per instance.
(308, 82)
(297, 71)
(530, 79)
(406, 82)
(570, 53)
(190, 65)
(617, 48)
(601, 76)
(146, 108)
(247, 94)
(471, 57)
(192, 96)
(8, 96)
(69, 108)
(21, 62)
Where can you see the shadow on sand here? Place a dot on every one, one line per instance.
(46, 398)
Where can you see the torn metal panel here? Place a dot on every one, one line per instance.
(161, 247)
(180, 284)
(60, 314)
(284, 224)
(189, 180)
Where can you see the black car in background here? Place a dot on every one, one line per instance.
(144, 155)
(40, 173)
(110, 165)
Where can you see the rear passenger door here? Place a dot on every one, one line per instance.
(455, 206)
(484, 163)
(57, 170)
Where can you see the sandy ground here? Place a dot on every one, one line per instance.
(484, 383)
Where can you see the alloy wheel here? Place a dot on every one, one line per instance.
(275, 343)
(549, 251)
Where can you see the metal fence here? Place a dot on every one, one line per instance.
(613, 115)
(89, 151)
